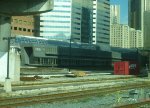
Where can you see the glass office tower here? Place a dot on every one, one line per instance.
(136, 13)
(86, 21)
(63, 22)
(69, 19)
(136, 9)
(139, 18)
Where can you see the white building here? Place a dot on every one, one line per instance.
(139, 18)
(119, 35)
(135, 40)
(101, 23)
(115, 14)
(125, 37)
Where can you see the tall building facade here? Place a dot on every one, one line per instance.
(68, 19)
(87, 21)
(137, 17)
(115, 14)
(136, 9)
(101, 22)
(136, 13)
(57, 23)
(146, 27)
(147, 5)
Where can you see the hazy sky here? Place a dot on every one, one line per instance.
(123, 8)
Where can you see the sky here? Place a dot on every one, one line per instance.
(123, 10)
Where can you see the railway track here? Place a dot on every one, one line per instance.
(140, 104)
(21, 101)
(70, 83)
(76, 81)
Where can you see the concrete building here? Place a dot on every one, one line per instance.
(119, 35)
(125, 37)
(101, 23)
(22, 25)
(115, 14)
(135, 38)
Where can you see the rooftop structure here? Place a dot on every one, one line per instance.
(115, 14)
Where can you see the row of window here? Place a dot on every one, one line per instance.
(22, 29)
(18, 21)
(55, 61)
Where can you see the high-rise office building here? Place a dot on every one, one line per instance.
(146, 27)
(136, 13)
(101, 22)
(137, 9)
(85, 21)
(115, 14)
(57, 23)
(147, 5)
(69, 19)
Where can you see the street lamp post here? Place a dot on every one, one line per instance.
(69, 68)
(137, 50)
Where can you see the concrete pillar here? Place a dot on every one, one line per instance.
(3, 66)
(14, 65)
(5, 31)
(7, 85)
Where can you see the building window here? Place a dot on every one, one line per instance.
(24, 29)
(20, 29)
(20, 21)
(15, 28)
(29, 30)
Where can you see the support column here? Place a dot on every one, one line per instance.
(13, 74)
(5, 31)
(14, 64)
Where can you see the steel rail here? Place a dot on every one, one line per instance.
(21, 101)
(135, 105)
